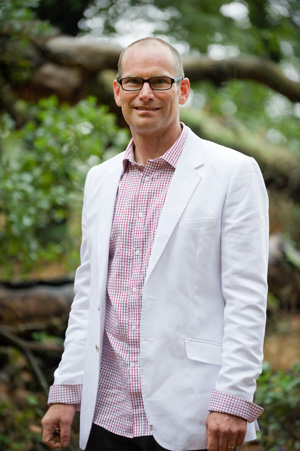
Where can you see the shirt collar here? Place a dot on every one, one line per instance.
(171, 156)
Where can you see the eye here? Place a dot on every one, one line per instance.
(161, 82)
(135, 80)
(132, 81)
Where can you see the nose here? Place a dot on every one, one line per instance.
(146, 92)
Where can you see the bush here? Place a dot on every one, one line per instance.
(279, 393)
(43, 167)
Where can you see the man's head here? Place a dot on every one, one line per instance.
(149, 109)
(147, 42)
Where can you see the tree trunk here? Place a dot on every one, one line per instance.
(36, 307)
(65, 65)
(43, 307)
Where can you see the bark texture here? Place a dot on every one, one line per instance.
(65, 65)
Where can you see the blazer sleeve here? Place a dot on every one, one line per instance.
(70, 369)
(244, 262)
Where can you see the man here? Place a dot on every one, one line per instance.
(165, 335)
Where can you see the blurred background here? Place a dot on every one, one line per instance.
(58, 61)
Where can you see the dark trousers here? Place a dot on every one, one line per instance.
(103, 440)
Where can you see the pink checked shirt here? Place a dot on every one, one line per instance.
(119, 405)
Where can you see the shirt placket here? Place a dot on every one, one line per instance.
(139, 240)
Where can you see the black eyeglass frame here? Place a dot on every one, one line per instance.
(148, 80)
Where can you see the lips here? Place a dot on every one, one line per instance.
(145, 108)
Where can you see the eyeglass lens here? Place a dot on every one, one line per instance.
(156, 83)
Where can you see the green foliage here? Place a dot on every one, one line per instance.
(264, 113)
(220, 29)
(292, 254)
(279, 393)
(18, 24)
(257, 27)
(14, 12)
(22, 404)
(42, 173)
(45, 337)
(27, 435)
(64, 14)
(19, 19)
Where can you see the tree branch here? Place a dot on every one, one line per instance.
(23, 346)
(90, 55)
(69, 63)
(40, 304)
(246, 68)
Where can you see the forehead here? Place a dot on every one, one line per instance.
(148, 60)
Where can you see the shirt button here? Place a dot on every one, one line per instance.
(141, 214)
(132, 364)
(133, 327)
(147, 179)
(137, 252)
(134, 290)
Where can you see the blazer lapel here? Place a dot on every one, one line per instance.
(184, 182)
(107, 203)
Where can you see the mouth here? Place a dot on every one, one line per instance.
(145, 108)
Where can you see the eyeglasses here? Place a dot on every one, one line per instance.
(156, 83)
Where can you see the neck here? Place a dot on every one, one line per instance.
(151, 146)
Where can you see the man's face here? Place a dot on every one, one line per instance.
(149, 111)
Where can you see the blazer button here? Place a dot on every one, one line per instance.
(151, 427)
(97, 348)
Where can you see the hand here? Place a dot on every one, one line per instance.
(57, 425)
(224, 432)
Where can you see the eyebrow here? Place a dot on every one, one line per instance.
(152, 76)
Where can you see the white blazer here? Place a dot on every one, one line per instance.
(204, 298)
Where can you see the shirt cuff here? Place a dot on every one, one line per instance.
(234, 405)
(65, 394)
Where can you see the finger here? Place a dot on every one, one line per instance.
(223, 440)
(240, 438)
(230, 447)
(227, 440)
(212, 440)
(65, 430)
(51, 438)
(212, 443)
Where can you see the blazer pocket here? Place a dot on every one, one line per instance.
(197, 223)
(203, 351)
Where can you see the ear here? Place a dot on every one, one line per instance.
(184, 91)
(117, 89)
